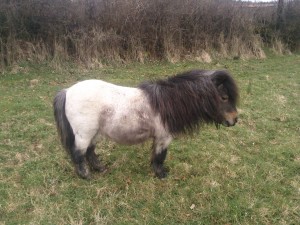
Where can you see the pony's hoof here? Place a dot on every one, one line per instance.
(161, 175)
(83, 171)
(95, 163)
(160, 172)
(100, 168)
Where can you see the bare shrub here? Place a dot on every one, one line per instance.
(279, 26)
(95, 32)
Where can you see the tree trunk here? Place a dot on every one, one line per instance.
(279, 22)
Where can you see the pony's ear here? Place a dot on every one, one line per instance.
(219, 77)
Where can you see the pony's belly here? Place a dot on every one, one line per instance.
(129, 125)
(127, 136)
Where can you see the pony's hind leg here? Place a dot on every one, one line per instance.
(78, 158)
(93, 159)
(159, 154)
(78, 154)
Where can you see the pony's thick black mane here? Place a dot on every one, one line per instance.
(189, 99)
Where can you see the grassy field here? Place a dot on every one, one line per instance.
(247, 174)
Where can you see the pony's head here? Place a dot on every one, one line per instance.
(189, 99)
(227, 97)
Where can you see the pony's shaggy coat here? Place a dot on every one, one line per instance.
(159, 110)
(187, 100)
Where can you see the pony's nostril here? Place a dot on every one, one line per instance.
(236, 120)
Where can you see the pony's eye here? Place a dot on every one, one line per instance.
(225, 98)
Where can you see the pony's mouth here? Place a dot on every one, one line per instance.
(230, 123)
(230, 119)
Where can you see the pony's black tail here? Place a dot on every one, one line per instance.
(63, 126)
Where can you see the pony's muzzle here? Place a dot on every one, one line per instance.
(230, 119)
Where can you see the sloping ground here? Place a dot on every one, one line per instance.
(246, 174)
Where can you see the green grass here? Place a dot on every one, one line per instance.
(247, 174)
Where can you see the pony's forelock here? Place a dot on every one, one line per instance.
(223, 77)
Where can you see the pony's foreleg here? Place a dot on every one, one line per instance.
(93, 160)
(159, 154)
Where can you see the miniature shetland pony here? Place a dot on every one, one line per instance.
(94, 109)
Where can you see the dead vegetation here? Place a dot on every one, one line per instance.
(96, 32)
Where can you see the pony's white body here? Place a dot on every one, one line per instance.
(97, 109)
